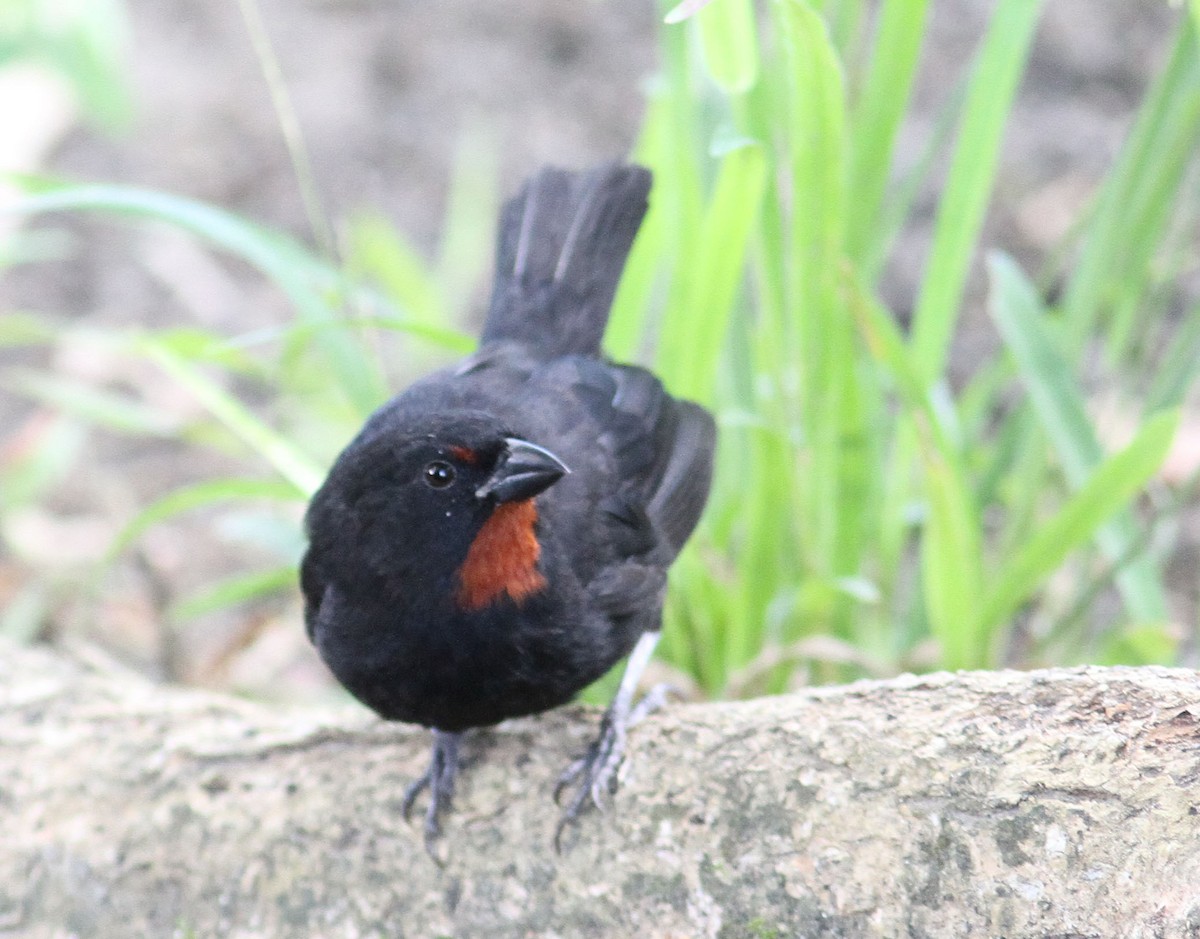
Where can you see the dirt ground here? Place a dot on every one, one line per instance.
(386, 92)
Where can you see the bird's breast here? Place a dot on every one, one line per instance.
(502, 560)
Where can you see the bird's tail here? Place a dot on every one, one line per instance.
(562, 245)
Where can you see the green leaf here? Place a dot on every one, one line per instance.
(236, 590)
(1180, 365)
(729, 41)
(304, 278)
(291, 464)
(201, 346)
(25, 329)
(1059, 405)
(883, 340)
(444, 337)
(265, 530)
(817, 151)
(1144, 644)
(1127, 221)
(227, 352)
(876, 118)
(87, 44)
(29, 470)
(951, 552)
(951, 562)
(626, 332)
(198, 495)
(695, 333)
(464, 254)
(379, 251)
(1109, 488)
(685, 10)
(968, 188)
(835, 394)
(92, 404)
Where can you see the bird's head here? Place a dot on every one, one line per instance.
(441, 496)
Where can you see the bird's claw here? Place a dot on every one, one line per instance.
(652, 701)
(438, 778)
(590, 775)
(594, 774)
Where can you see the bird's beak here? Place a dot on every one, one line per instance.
(524, 470)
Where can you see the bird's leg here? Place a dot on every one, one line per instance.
(594, 773)
(439, 779)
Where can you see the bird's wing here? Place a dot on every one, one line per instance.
(658, 449)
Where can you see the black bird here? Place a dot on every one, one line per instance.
(497, 536)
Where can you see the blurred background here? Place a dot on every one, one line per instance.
(204, 197)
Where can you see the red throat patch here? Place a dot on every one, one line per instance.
(502, 559)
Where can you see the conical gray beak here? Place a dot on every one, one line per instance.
(524, 470)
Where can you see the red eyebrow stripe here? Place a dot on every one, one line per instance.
(466, 454)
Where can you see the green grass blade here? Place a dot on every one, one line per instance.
(765, 112)
(668, 240)
(289, 462)
(898, 202)
(235, 590)
(951, 552)
(201, 346)
(832, 393)
(845, 19)
(626, 333)
(998, 70)
(378, 251)
(29, 472)
(1180, 366)
(695, 609)
(298, 273)
(817, 153)
(684, 11)
(464, 254)
(694, 335)
(1138, 180)
(1141, 645)
(951, 563)
(92, 404)
(766, 550)
(729, 43)
(442, 338)
(289, 125)
(199, 495)
(1059, 405)
(1020, 318)
(1157, 199)
(886, 346)
(1109, 489)
(88, 44)
(25, 329)
(876, 118)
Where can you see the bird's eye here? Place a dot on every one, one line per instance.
(439, 474)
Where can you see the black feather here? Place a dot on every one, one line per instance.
(562, 245)
(682, 490)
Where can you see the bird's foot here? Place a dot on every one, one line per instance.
(439, 779)
(594, 774)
